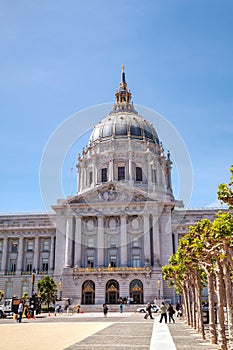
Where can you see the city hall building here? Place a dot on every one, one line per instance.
(112, 238)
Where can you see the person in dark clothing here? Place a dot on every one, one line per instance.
(105, 310)
(148, 311)
(171, 312)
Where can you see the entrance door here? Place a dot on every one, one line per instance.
(136, 291)
(112, 292)
(88, 292)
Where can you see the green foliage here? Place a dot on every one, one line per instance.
(47, 290)
(225, 191)
(1, 294)
(25, 296)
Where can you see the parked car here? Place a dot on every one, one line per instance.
(154, 308)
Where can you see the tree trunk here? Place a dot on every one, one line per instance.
(199, 306)
(186, 308)
(212, 325)
(220, 291)
(229, 304)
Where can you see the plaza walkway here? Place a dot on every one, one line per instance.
(94, 332)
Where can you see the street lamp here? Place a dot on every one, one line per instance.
(33, 282)
(159, 285)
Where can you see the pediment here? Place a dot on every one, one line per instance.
(110, 193)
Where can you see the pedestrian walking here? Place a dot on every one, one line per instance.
(148, 311)
(163, 312)
(171, 312)
(177, 308)
(20, 312)
(105, 309)
(121, 307)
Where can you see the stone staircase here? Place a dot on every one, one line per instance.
(111, 308)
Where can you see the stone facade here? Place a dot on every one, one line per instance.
(112, 238)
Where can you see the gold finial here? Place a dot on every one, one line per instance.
(123, 68)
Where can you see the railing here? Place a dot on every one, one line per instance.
(145, 269)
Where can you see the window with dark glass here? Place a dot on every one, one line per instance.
(90, 177)
(12, 265)
(154, 176)
(45, 264)
(14, 247)
(121, 173)
(29, 265)
(90, 261)
(113, 261)
(138, 174)
(135, 130)
(104, 174)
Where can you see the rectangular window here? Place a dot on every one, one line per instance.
(9, 290)
(136, 261)
(90, 177)
(135, 242)
(29, 265)
(45, 246)
(113, 261)
(90, 261)
(90, 242)
(30, 245)
(104, 173)
(113, 242)
(12, 265)
(45, 264)
(14, 246)
(121, 173)
(138, 174)
(154, 176)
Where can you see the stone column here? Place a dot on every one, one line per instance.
(100, 241)
(110, 169)
(20, 256)
(146, 236)
(130, 169)
(156, 239)
(36, 253)
(123, 246)
(77, 242)
(4, 256)
(69, 240)
(51, 260)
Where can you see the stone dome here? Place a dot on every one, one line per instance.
(124, 124)
(124, 121)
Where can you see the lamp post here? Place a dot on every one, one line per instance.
(159, 285)
(60, 286)
(33, 282)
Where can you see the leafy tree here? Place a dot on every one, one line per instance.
(1, 294)
(47, 289)
(225, 191)
(25, 296)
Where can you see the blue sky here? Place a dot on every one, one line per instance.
(60, 57)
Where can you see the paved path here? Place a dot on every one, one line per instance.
(128, 331)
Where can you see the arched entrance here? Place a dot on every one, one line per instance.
(136, 291)
(112, 292)
(88, 292)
